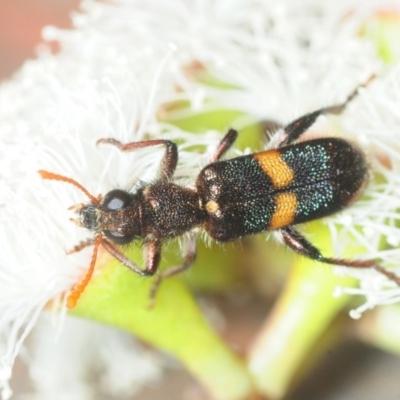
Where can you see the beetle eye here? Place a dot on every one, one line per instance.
(115, 200)
(119, 238)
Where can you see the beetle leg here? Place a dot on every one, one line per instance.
(224, 145)
(168, 162)
(301, 245)
(153, 257)
(188, 260)
(299, 126)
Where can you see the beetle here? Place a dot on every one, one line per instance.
(292, 182)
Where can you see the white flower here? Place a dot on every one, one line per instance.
(103, 354)
(374, 119)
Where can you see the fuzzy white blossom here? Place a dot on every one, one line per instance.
(374, 119)
(113, 359)
(119, 67)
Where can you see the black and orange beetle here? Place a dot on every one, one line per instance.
(292, 182)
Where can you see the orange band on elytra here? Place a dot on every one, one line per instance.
(285, 211)
(280, 173)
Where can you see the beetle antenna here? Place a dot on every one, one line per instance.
(76, 292)
(50, 175)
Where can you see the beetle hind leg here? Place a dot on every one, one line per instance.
(297, 242)
(298, 127)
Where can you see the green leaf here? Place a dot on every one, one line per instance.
(119, 297)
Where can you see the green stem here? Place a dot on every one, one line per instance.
(299, 318)
(120, 298)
